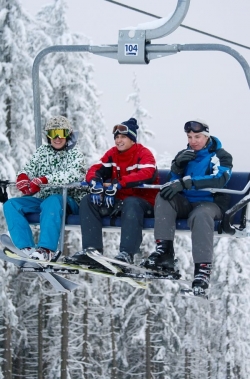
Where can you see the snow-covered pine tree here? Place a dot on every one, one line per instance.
(16, 132)
(230, 309)
(143, 134)
(16, 113)
(72, 92)
(8, 319)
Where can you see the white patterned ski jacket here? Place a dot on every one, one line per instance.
(60, 167)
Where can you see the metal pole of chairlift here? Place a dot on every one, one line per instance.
(248, 221)
(134, 47)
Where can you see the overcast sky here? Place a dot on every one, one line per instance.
(178, 88)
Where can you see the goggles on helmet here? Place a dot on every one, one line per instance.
(60, 133)
(196, 127)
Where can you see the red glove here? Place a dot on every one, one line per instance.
(22, 184)
(36, 182)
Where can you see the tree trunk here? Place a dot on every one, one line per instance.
(40, 340)
(187, 357)
(65, 336)
(85, 353)
(8, 103)
(112, 330)
(148, 347)
(7, 366)
(148, 341)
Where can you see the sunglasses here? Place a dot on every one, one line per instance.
(60, 133)
(196, 127)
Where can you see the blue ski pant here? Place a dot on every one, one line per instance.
(200, 216)
(134, 209)
(51, 212)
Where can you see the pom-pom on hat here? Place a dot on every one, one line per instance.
(128, 128)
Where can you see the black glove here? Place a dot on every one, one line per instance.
(183, 158)
(170, 189)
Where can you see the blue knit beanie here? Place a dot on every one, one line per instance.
(132, 127)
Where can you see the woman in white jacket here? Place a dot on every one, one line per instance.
(59, 162)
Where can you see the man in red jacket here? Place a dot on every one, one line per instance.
(113, 190)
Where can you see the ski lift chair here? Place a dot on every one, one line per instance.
(134, 47)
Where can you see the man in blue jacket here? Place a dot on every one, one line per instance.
(204, 164)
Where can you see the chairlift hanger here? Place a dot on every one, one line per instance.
(134, 47)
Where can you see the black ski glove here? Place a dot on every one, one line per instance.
(180, 162)
(184, 157)
(170, 189)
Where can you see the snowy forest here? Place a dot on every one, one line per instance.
(105, 328)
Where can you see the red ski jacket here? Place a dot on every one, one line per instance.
(131, 168)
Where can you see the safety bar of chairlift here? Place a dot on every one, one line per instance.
(84, 185)
(226, 222)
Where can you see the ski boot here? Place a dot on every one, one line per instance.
(81, 258)
(42, 254)
(201, 280)
(163, 258)
(123, 256)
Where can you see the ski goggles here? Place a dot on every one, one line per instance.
(58, 133)
(196, 127)
(122, 129)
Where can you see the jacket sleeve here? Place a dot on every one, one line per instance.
(145, 171)
(218, 178)
(222, 171)
(102, 169)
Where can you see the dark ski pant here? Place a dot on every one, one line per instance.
(134, 210)
(200, 215)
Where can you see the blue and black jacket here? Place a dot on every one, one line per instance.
(211, 168)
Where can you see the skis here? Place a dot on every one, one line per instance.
(50, 270)
(132, 270)
(139, 272)
(117, 271)
(134, 275)
(59, 283)
(20, 259)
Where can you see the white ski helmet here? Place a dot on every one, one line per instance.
(58, 122)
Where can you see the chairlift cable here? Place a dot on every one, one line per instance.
(181, 25)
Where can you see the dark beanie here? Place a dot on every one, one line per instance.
(132, 129)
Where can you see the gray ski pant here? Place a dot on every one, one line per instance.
(200, 215)
(134, 209)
